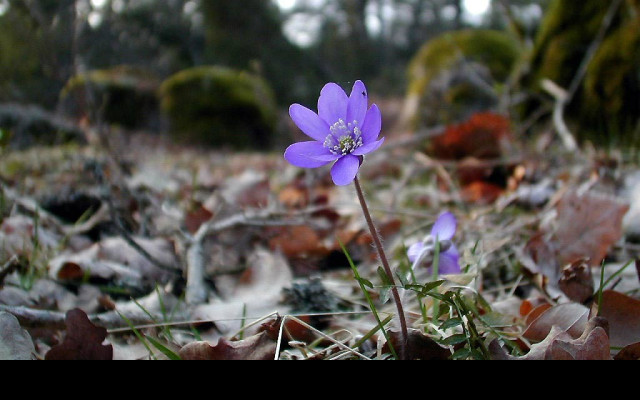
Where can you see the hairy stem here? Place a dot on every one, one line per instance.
(387, 269)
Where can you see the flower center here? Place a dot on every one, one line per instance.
(344, 139)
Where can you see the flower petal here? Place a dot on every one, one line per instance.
(368, 148)
(332, 104)
(450, 262)
(358, 104)
(414, 251)
(345, 170)
(309, 122)
(308, 155)
(445, 226)
(372, 125)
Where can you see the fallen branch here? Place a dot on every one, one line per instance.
(32, 318)
(562, 99)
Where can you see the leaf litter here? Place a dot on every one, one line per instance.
(211, 256)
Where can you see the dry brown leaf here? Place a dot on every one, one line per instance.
(195, 217)
(536, 312)
(299, 241)
(420, 347)
(538, 257)
(629, 353)
(577, 281)
(571, 318)
(623, 314)
(83, 340)
(255, 348)
(292, 329)
(483, 137)
(528, 306)
(593, 344)
(587, 226)
(481, 192)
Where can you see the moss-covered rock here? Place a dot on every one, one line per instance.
(124, 96)
(605, 108)
(220, 107)
(455, 75)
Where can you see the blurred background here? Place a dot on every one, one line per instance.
(222, 72)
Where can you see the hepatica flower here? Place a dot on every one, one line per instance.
(344, 130)
(422, 253)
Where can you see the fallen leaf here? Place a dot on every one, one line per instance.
(571, 318)
(623, 314)
(257, 292)
(576, 281)
(528, 306)
(587, 226)
(15, 342)
(255, 348)
(538, 257)
(298, 241)
(83, 340)
(593, 344)
(19, 235)
(293, 330)
(629, 353)
(483, 137)
(195, 217)
(481, 192)
(536, 312)
(421, 347)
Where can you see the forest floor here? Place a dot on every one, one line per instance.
(154, 251)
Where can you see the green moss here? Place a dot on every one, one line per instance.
(491, 55)
(123, 95)
(497, 50)
(220, 107)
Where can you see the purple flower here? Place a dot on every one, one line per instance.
(422, 253)
(343, 131)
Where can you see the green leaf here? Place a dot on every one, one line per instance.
(432, 285)
(386, 281)
(451, 323)
(455, 339)
(163, 349)
(461, 354)
(366, 282)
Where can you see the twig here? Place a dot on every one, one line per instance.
(131, 242)
(32, 318)
(562, 99)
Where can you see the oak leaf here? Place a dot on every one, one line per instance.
(257, 348)
(593, 344)
(83, 341)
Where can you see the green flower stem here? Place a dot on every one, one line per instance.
(387, 269)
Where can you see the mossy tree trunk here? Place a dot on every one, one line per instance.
(591, 48)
